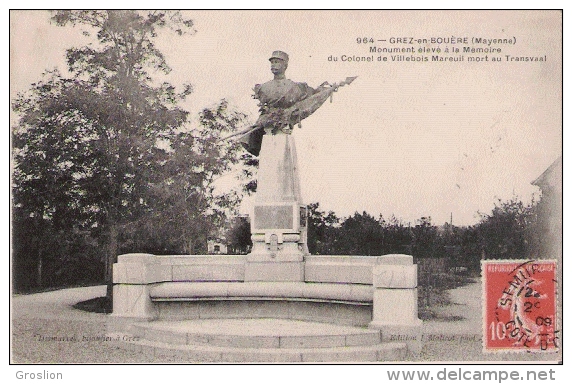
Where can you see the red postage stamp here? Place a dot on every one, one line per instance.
(519, 306)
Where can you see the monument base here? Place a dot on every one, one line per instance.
(378, 293)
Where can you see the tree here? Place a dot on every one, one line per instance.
(509, 231)
(107, 150)
(360, 234)
(249, 168)
(321, 230)
(426, 242)
(471, 247)
(238, 236)
(185, 206)
(397, 237)
(54, 171)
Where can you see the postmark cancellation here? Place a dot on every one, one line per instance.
(520, 306)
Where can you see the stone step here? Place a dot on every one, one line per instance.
(261, 340)
(256, 333)
(392, 352)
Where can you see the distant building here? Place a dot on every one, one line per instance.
(550, 210)
(217, 246)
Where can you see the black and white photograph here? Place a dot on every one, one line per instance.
(287, 187)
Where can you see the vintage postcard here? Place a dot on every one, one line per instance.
(286, 187)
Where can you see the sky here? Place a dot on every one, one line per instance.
(406, 138)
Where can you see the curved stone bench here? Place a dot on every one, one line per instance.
(380, 292)
(296, 291)
(347, 304)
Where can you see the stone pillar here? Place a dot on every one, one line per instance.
(395, 301)
(132, 275)
(279, 220)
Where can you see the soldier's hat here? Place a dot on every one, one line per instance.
(279, 55)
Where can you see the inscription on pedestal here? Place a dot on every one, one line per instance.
(273, 217)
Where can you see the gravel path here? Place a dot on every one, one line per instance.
(462, 340)
(47, 329)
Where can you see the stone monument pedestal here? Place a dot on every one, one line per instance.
(279, 220)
